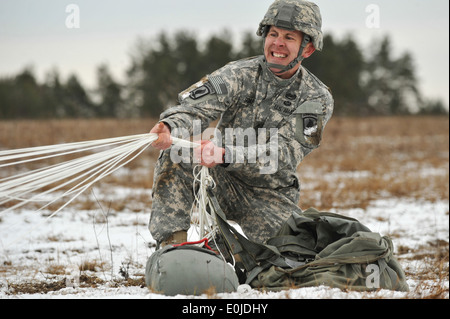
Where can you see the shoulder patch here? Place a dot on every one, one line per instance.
(219, 85)
(202, 91)
(186, 93)
(310, 107)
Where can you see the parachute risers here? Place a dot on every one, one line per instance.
(189, 270)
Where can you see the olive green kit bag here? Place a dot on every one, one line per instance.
(313, 249)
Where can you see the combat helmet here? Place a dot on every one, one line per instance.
(297, 15)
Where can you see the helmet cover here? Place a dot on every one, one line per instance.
(297, 15)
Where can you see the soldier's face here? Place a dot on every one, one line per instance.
(281, 47)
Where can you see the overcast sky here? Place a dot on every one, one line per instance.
(38, 32)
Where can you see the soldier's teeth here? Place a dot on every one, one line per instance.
(277, 55)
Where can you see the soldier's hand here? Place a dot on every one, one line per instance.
(164, 140)
(208, 154)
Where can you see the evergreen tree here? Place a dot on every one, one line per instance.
(110, 94)
(190, 66)
(390, 84)
(339, 66)
(56, 94)
(6, 101)
(23, 97)
(251, 46)
(158, 82)
(218, 52)
(77, 103)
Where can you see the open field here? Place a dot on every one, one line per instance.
(391, 173)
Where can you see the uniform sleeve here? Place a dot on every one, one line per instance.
(205, 101)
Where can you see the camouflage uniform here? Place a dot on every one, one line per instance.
(243, 94)
(258, 194)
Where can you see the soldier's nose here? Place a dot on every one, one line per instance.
(279, 42)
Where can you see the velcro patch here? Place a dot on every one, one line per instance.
(310, 107)
(200, 92)
(219, 85)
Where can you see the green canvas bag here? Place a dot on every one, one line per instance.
(361, 262)
(316, 248)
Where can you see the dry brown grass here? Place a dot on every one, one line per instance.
(28, 133)
(56, 277)
(361, 159)
(371, 158)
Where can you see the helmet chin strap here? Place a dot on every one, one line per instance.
(299, 58)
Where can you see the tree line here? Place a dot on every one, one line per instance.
(363, 82)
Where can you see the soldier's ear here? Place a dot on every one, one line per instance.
(309, 50)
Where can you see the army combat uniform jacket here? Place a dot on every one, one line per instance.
(267, 126)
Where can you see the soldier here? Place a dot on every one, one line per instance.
(269, 104)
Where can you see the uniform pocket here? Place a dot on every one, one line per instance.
(309, 124)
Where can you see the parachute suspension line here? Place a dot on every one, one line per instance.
(84, 171)
(200, 215)
(203, 214)
(46, 184)
(60, 150)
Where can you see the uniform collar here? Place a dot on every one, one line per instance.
(268, 75)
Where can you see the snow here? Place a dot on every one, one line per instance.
(35, 249)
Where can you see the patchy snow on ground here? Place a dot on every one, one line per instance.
(81, 254)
